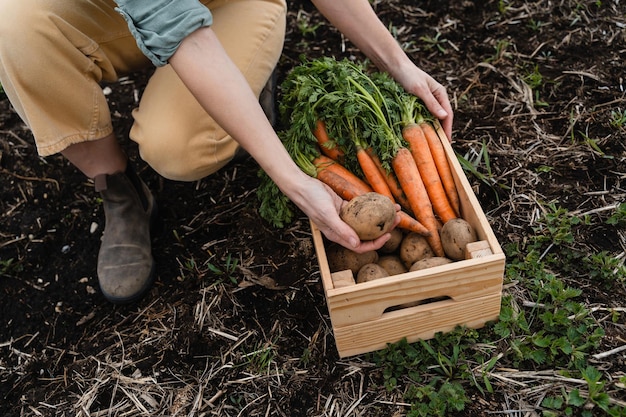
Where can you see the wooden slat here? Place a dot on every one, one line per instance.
(459, 281)
(415, 323)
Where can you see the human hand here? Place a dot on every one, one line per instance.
(432, 93)
(322, 206)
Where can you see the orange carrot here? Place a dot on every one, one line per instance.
(392, 181)
(371, 173)
(416, 139)
(443, 167)
(339, 184)
(347, 185)
(327, 145)
(409, 223)
(409, 178)
(344, 185)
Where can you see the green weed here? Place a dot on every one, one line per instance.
(434, 399)
(618, 218)
(261, 358)
(503, 7)
(592, 403)
(8, 267)
(478, 164)
(500, 52)
(535, 25)
(435, 42)
(304, 25)
(225, 269)
(618, 118)
(535, 80)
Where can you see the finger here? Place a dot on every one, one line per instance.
(441, 96)
(370, 245)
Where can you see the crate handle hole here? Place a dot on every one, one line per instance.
(410, 304)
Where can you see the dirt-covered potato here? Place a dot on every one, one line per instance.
(393, 243)
(455, 235)
(414, 247)
(341, 259)
(370, 272)
(429, 263)
(371, 215)
(392, 264)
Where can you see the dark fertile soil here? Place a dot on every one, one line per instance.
(236, 323)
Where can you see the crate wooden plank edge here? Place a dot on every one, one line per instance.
(416, 323)
(369, 300)
(475, 215)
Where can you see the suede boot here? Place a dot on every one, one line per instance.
(125, 262)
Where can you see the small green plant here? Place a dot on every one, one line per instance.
(618, 218)
(503, 7)
(303, 21)
(500, 52)
(618, 118)
(478, 164)
(535, 25)
(535, 81)
(544, 169)
(594, 402)
(399, 359)
(261, 358)
(8, 267)
(227, 269)
(434, 42)
(429, 400)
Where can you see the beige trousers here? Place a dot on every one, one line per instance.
(55, 54)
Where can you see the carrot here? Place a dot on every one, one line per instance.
(420, 150)
(409, 223)
(373, 176)
(409, 178)
(339, 179)
(347, 186)
(327, 145)
(392, 181)
(443, 167)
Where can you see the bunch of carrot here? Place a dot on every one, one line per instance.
(358, 133)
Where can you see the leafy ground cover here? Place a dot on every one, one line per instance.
(237, 325)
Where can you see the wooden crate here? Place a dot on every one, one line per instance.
(366, 317)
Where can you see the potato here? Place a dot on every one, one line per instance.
(455, 235)
(341, 259)
(429, 263)
(393, 243)
(370, 272)
(414, 247)
(371, 215)
(392, 264)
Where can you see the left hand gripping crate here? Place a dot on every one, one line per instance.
(368, 316)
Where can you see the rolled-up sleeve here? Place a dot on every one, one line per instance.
(159, 26)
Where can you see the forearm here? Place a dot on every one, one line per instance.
(359, 23)
(221, 89)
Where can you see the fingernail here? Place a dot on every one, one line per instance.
(354, 243)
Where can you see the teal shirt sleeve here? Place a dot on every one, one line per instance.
(159, 26)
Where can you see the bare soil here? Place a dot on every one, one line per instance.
(236, 324)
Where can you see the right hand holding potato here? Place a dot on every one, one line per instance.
(322, 206)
